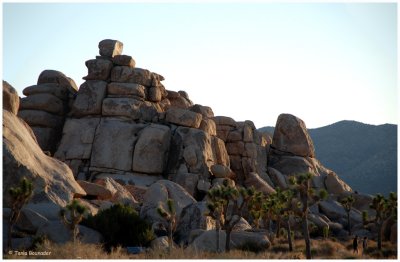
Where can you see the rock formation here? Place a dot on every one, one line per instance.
(45, 106)
(127, 139)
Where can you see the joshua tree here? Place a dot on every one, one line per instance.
(75, 215)
(19, 196)
(170, 216)
(305, 194)
(226, 204)
(347, 204)
(385, 208)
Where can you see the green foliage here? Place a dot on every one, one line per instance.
(170, 216)
(19, 196)
(121, 226)
(325, 232)
(21, 193)
(226, 205)
(365, 217)
(72, 215)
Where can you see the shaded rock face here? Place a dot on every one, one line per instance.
(45, 107)
(22, 157)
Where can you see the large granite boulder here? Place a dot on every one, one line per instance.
(291, 136)
(207, 240)
(22, 157)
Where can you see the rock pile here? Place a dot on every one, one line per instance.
(125, 125)
(127, 139)
(45, 106)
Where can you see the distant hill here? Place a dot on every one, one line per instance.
(364, 156)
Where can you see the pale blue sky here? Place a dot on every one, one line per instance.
(321, 62)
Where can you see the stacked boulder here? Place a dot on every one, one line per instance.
(125, 125)
(45, 106)
(247, 148)
(291, 153)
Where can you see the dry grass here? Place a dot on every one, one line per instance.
(321, 249)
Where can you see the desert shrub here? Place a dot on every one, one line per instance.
(252, 247)
(120, 226)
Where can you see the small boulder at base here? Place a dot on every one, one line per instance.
(254, 180)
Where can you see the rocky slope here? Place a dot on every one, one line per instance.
(126, 138)
(364, 155)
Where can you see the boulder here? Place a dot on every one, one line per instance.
(41, 118)
(136, 75)
(128, 107)
(154, 94)
(234, 136)
(47, 138)
(160, 243)
(224, 120)
(30, 221)
(178, 101)
(188, 181)
(208, 126)
(241, 225)
(235, 148)
(332, 209)
(193, 146)
(277, 178)
(221, 155)
(57, 90)
(334, 185)
(142, 180)
(118, 192)
(43, 102)
(91, 189)
(47, 209)
(114, 143)
(318, 221)
(10, 98)
(192, 218)
(56, 77)
(22, 157)
(99, 69)
(183, 117)
(89, 99)
(158, 193)
(110, 48)
(126, 89)
(207, 240)
(292, 165)
(205, 111)
(291, 136)
(151, 150)
(254, 180)
(124, 60)
(220, 171)
(77, 138)
(57, 232)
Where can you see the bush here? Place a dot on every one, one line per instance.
(120, 226)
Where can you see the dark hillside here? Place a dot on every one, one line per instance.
(365, 156)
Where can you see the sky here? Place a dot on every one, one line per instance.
(251, 61)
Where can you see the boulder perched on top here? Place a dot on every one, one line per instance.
(10, 98)
(22, 157)
(291, 136)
